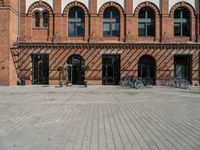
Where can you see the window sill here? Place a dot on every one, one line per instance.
(40, 28)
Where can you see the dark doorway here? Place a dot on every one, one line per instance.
(147, 68)
(40, 66)
(111, 69)
(182, 66)
(76, 74)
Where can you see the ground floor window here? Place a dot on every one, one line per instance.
(182, 66)
(76, 74)
(147, 68)
(111, 69)
(40, 69)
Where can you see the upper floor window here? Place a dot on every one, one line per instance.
(37, 19)
(146, 24)
(181, 22)
(76, 22)
(45, 19)
(111, 22)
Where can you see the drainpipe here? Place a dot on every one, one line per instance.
(18, 40)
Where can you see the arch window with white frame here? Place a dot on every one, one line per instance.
(181, 22)
(76, 21)
(146, 24)
(37, 19)
(111, 22)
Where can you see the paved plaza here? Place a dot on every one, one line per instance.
(99, 118)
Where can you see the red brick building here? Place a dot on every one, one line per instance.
(155, 38)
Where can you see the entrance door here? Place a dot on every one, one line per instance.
(76, 74)
(40, 68)
(111, 69)
(146, 67)
(182, 66)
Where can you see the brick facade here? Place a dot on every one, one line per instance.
(54, 40)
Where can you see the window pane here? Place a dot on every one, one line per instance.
(76, 22)
(37, 19)
(177, 29)
(111, 22)
(186, 29)
(72, 29)
(115, 29)
(142, 13)
(150, 29)
(185, 13)
(177, 13)
(45, 19)
(141, 29)
(106, 29)
(80, 29)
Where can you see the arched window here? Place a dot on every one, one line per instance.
(181, 22)
(45, 19)
(111, 22)
(146, 24)
(76, 21)
(37, 19)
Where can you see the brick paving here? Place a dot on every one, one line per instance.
(99, 118)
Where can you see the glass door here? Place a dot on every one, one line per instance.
(111, 69)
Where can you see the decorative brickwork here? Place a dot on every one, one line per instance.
(110, 4)
(75, 4)
(185, 5)
(147, 4)
(39, 4)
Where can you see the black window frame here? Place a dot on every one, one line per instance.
(37, 19)
(180, 22)
(113, 21)
(45, 20)
(148, 20)
(76, 21)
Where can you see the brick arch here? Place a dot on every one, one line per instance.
(1, 3)
(190, 9)
(147, 4)
(40, 4)
(111, 4)
(75, 4)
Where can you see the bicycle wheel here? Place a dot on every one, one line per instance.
(184, 84)
(138, 84)
(149, 84)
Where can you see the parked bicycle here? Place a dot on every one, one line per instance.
(147, 82)
(175, 82)
(131, 82)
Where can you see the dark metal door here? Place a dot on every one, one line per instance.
(111, 69)
(40, 69)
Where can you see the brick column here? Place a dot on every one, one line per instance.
(129, 21)
(58, 33)
(23, 18)
(166, 22)
(93, 25)
(122, 28)
(193, 30)
(86, 37)
(197, 3)
(50, 28)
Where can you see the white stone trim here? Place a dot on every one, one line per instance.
(100, 3)
(66, 2)
(173, 2)
(138, 2)
(30, 2)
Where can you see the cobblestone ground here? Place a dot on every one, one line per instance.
(99, 118)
